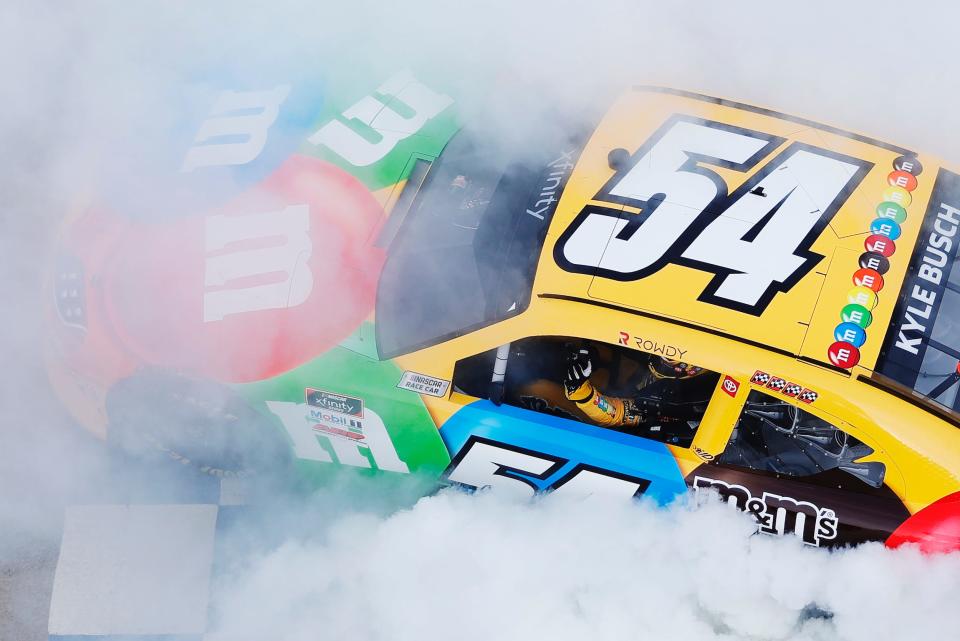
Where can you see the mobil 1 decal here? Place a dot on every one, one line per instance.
(756, 241)
(920, 349)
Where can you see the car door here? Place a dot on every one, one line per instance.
(800, 471)
(516, 429)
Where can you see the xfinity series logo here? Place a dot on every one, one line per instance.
(335, 402)
(553, 182)
(776, 514)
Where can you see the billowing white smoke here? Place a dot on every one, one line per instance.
(82, 78)
(480, 567)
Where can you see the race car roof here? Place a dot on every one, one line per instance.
(772, 228)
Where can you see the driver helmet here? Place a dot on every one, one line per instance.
(670, 368)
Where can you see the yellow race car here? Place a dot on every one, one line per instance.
(692, 295)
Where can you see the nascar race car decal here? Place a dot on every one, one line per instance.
(685, 294)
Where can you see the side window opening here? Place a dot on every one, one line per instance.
(473, 375)
(631, 391)
(776, 436)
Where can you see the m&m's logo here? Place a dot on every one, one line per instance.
(857, 314)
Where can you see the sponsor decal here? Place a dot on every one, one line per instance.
(423, 384)
(792, 390)
(783, 386)
(891, 212)
(880, 245)
(903, 179)
(855, 313)
(874, 261)
(334, 402)
(776, 514)
(603, 405)
(337, 426)
(552, 183)
(705, 455)
(897, 195)
(843, 354)
(909, 164)
(867, 277)
(652, 345)
(364, 444)
(863, 296)
(730, 386)
(886, 228)
(655, 347)
(850, 333)
(776, 384)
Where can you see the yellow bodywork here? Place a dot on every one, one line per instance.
(789, 339)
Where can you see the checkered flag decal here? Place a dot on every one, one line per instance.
(792, 389)
(783, 386)
(776, 384)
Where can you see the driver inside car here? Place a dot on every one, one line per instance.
(669, 400)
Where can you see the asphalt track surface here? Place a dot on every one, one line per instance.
(25, 585)
(32, 505)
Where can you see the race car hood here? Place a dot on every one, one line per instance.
(767, 227)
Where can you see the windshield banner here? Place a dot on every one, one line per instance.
(915, 325)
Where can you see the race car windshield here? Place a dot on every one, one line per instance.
(922, 346)
(467, 251)
(938, 373)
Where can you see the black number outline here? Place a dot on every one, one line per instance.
(642, 483)
(717, 206)
(691, 165)
(504, 470)
(802, 248)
